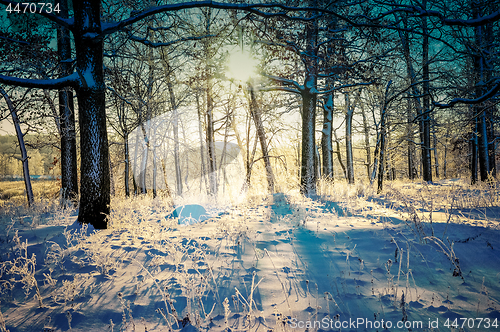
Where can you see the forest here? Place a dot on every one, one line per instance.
(417, 75)
(355, 122)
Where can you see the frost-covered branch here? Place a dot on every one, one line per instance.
(299, 88)
(346, 86)
(256, 9)
(278, 88)
(491, 18)
(71, 80)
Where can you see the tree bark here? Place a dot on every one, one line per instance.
(309, 95)
(348, 139)
(366, 129)
(175, 123)
(261, 134)
(339, 154)
(127, 164)
(326, 138)
(410, 72)
(473, 152)
(383, 115)
(203, 175)
(22, 147)
(308, 174)
(482, 71)
(69, 176)
(95, 181)
(210, 134)
(425, 123)
(436, 155)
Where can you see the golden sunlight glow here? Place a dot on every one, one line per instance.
(241, 66)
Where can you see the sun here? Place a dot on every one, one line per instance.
(241, 66)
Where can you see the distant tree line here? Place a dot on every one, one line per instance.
(417, 81)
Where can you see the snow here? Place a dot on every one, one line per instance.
(340, 262)
(189, 214)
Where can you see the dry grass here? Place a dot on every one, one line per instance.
(14, 191)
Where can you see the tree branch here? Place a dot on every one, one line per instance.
(71, 80)
(468, 101)
(252, 8)
(154, 45)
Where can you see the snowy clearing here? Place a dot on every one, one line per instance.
(355, 261)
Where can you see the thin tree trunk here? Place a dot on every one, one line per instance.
(155, 169)
(69, 176)
(445, 157)
(348, 138)
(425, 116)
(410, 72)
(326, 138)
(383, 113)
(212, 160)
(366, 129)
(412, 170)
(223, 156)
(134, 170)
(481, 75)
(22, 146)
(473, 153)
(339, 154)
(127, 164)
(436, 155)
(145, 156)
(381, 162)
(261, 134)
(203, 175)
(175, 123)
(167, 187)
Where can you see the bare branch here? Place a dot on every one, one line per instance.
(71, 80)
(468, 101)
(154, 45)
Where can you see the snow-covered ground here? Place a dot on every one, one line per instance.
(351, 261)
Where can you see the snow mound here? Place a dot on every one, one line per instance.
(189, 214)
